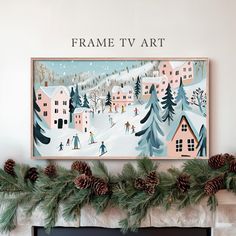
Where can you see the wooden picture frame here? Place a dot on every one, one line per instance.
(94, 108)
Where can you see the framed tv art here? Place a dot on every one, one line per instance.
(120, 108)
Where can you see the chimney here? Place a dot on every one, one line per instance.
(46, 83)
(122, 85)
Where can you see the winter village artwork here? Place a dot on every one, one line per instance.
(120, 108)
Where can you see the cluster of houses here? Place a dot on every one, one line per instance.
(182, 140)
(54, 109)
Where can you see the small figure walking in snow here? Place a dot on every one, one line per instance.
(127, 126)
(68, 142)
(102, 148)
(61, 147)
(116, 110)
(91, 138)
(110, 120)
(122, 109)
(76, 141)
(136, 111)
(133, 129)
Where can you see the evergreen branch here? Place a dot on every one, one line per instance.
(146, 165)
(99, 169)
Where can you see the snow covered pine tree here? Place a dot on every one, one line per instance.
(108, 99)
(37, 129)
(150, 143)
(137, 88)
(181, 97)
(86, 102)
(168, 105)
(202, 144)
(76, 98)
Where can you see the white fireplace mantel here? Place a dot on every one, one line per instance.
(222, 222)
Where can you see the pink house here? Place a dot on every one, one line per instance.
(54, 106)
(82, 119)
(175, 70)
(122, 96)
(183, 139)
(160, 83)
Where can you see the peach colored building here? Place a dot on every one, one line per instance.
(54, 106)
(175, 70)
(122, 96)
(160, 83)
(183, 139)
(82, 119)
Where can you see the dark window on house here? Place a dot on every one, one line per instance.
(39, 96)
(117, 97)
(190, 76)
(170, 72)
(189, 69)
(184, 69)
(45, 113)
(64, 102)
(146, 87)
(65, 122)
(56, 102)
(191, 144)
(171, 81)
(162, 90)
(61, 92)
(163, 72)
(45, 104)
(189, 63)
(184, 127)
(56, 110)
(177, 72)
(124, 97)
(164, 65)
(55, 121)
(179, 145)
(113, 97)
(163, 82)
(64, 111)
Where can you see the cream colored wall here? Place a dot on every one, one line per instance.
(44, 28)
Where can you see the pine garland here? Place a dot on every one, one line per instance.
(135, 190)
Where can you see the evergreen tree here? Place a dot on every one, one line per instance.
(71, 104)
(137, 87)
(181, 97)
(86, 102)
(108, 99)
(150, 143)
(76, 98)
(37, 129)
(202, 144)
(168, 104)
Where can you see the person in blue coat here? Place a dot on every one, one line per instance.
(76, 141)
(103, 148)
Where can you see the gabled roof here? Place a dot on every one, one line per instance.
(190, 117)
(50, 91)
(81, 109)
(154, 80)
(125, 89)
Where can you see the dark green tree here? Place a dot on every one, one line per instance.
(137, 87)
(86, 102)
(168, 105)
(108, 99)
(76, 98)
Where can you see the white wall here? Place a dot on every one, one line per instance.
(43, 28)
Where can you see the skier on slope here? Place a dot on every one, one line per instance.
(61, 147)
(110, 120)
(133, 129)
(102, 148)
(127, 126)
(136, 111)
(91, 138)
(76, 141)
(68, 142)
(122, 109)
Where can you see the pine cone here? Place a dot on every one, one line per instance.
(82, 182)
(50, 171)
(139, 183)
(150, 189)
(99, 186)
(9, 167)
(232, 166)
(183, 183)
(214, 185)
(217, 161)
(32, 174)
(228, 157)
(81, 167)
(152, 178)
